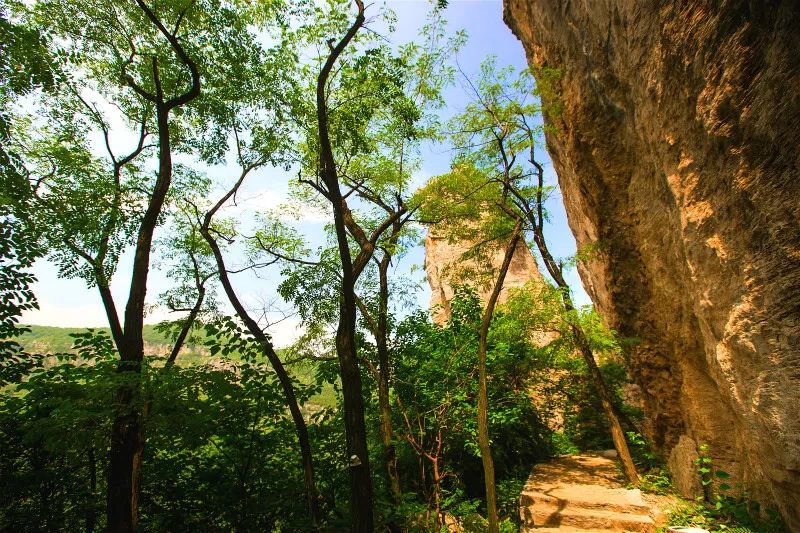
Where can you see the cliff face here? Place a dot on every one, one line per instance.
(678, 149)
(445, 268)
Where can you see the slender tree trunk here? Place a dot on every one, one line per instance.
(381, 338)
(355, 427)
(437, 493)
(186, 328)
(609, 410)
(127, 433)
(312, 495)
(483, 400)
(617, 434)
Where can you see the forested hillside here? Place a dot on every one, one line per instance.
(51, 339)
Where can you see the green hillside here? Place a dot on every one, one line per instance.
(51, 339)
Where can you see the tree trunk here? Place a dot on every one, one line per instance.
(437, 495)
(186, 328)
(127, 435)
(483, 400)
(312, 496)
(125, 459)
(617, 434)
(610, 411)
(381, 339)
(355, 427)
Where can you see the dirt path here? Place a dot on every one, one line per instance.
(583, 493)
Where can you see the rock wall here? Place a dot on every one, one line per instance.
(678, 150)
(445, 268)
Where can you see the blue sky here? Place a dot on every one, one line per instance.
(68, 302)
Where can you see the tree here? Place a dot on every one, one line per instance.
(356, 431)
(258, 125)
(211, 234)
(350, 98)
(467, 202)
(381, 178)
(142, 63)
(499, 132)
(436, 386)
(193, 271)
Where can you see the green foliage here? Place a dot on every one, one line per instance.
(725, 508)
(52, 340)
(562, 445)
(561, 375)
(436, 384)
(17, 253)
(737, 515)
(221, 449)
(222, 452)
(26, 66)
(705, 468)
(508, 491)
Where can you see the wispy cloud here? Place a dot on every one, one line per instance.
(266, 200)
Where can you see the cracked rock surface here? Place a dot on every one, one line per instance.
(678, 151)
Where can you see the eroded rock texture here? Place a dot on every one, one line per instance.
(446, 267)
(678, 149)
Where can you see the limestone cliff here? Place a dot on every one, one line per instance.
(678, 149)
(446, 267)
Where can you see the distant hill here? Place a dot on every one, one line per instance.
(51, 339)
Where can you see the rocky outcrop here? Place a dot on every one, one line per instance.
(677, 147)
(446, 267)
(683, 469)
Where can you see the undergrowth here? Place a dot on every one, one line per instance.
(723, 508)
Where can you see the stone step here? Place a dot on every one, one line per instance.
(575, 517)
(563, 529)
(586, 497)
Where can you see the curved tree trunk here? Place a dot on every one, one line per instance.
(483, 400)
(609, 410)
(361, 517)
(301, 429)
(127, 433)
(617, 434)
(381, 339)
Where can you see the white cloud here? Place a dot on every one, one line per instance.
(264, 200)
(66, 315)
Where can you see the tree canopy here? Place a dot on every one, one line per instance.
(132, 136)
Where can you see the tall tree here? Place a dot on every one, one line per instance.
(468, 204)
(499, 132)
(381, 179)
(357, 83)
(140, 65)
(213, 233)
